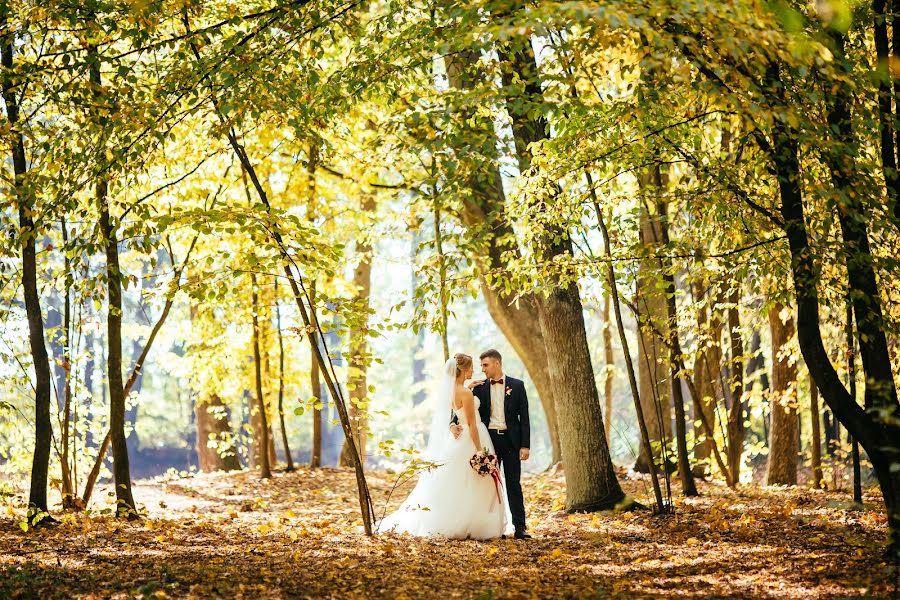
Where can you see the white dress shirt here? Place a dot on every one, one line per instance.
(498, 402)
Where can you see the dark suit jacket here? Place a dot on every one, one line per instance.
(515, 407)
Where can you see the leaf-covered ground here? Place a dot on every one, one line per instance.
(298, 535)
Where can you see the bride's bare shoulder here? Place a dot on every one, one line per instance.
(463, 395)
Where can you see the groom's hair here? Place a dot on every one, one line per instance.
(491, 354)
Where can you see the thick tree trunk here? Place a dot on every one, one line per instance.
(485, 217)
(359, 349)
(782, 463)
(653, 374)
(40, 465)
(591, 482)
(215, 442)
(215, 445)
(259, 420)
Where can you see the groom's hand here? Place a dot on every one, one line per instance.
(524, 453)
(455, 430)
(472, 384)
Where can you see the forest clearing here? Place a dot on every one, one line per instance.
(613, 288)
(298, 536)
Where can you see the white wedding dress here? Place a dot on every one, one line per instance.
(452, 500)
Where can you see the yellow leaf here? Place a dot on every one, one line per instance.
(692, 541)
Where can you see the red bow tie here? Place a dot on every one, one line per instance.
(496, 381)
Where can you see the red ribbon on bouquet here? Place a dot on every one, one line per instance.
(495, 475)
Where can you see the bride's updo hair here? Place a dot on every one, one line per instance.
(463, 361)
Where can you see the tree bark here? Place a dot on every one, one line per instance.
(125, 506)
(284, 436)
(688, 486)
(735, 425)
(40, 464)
(315, 458)
(359, 347)
(653, 375)
(883, 73)
(486, 218)
(591, 482)
(609, 373)
(260, 423)
(816, 434)
(782, 463)
(212, 425)
(707, 366)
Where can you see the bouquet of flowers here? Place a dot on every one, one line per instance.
(485, 463)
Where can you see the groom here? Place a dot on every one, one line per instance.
(504, 410)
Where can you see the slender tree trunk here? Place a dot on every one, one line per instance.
(816, 434)
(707, 366)
(125, 506)
(315, 460)
(40, 465)
(487, 221)
(284, 436)
(68, 489)
(359, 347)
(884, 75)
(735, 426)
(688, 486)
(299, 292)
(418, 361)
(609, 374)
(261, 423)
(782, 464)
(651, 304)
(626, 353)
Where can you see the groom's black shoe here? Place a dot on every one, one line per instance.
(521, 535)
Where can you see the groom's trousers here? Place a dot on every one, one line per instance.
(508, 456)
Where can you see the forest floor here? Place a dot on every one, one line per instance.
(298, 535)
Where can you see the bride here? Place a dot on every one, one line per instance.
(452, 500)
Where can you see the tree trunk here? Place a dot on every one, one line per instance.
(359, 348)
(284, 436)
(609, 373)
(125, 506)
(259, 420)
(315, 459)
(40, 464)
(883, 73)
(816, 434)
(68, 488)
(213, 426)
(688, 486)
(591, 482)
(735, 425)
(653, 375)
(486, 219)
(782, 463)
(707, 367)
